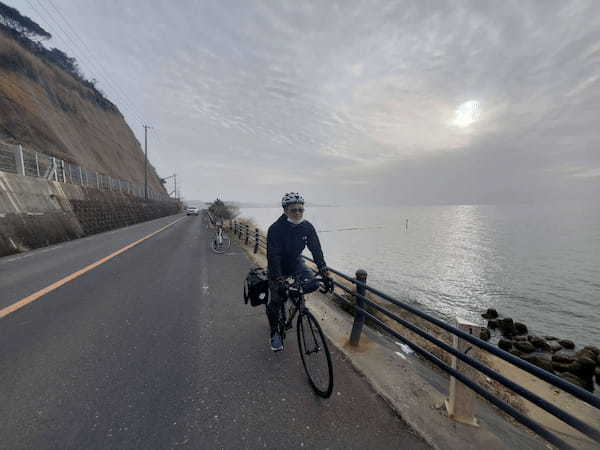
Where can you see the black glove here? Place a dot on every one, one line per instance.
(326, 280)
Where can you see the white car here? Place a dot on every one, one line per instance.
(192, 211)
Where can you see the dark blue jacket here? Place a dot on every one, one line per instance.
(285, 243)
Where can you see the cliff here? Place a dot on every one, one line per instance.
(48, 109)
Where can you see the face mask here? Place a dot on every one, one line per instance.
(295, 222)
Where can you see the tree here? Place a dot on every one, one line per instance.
(220, 210)
(65, 61)
(12, 18)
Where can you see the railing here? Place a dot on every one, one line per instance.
(243, 232)
(15, 159)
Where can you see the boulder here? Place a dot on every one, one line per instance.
(520, 338)
(516, 353)
(540, 361)
(563, 358)
(485, 334)
(554, 346)
(520, 328)
(507, 327)
(524, 346)
(585, 383)
(561, 367)
(490, 313)
(492, 324)
(569, 345)
(505, 344)
(539, 342)
(586, 366)
(551, 338)
(592, 349)
(587, 352)
(597, 372)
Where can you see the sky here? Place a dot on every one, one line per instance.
(351, 102)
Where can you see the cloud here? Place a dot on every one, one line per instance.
(361, 97)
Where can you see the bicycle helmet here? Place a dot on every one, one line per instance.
(291, 198)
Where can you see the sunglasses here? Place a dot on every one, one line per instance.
(296, 210)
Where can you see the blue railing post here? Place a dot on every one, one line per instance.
(256, 237)
(359, 316)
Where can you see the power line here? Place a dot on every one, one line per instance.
(67, 39)
(89, 58)
(115, 86)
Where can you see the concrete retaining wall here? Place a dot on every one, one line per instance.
(35, 212)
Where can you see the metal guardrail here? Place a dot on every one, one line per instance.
(243, 232)
(14, 159)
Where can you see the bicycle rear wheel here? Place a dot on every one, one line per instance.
(219, 247)
(226, 243)
(315, 355)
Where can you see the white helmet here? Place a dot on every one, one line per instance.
(291, 198)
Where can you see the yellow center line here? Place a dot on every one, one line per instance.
(36, 295)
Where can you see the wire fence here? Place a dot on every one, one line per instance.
(463, 342)
(16, 159)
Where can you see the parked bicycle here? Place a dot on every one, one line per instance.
(220, 243)
(314, 352)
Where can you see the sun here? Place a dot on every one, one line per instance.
(466, 114)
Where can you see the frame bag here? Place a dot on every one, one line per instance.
(256, 287)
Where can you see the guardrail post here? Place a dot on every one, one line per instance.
(62, 163)
(240, 229)
(20, 161)
(256, 237)
(247, 233)
(461, 400)
(359, 316)
(37, 164)
(55, 168)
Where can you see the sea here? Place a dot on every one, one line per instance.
(539, 264)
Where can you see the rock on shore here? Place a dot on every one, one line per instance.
(550, 353)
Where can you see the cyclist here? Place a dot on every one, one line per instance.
(286, 239)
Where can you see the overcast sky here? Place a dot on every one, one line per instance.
(349, 102)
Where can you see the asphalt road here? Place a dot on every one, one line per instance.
(154, 349)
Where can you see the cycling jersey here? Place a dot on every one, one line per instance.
(285, 243)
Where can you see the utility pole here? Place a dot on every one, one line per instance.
(174, 176)
(146, 161)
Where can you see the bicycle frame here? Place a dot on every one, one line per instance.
(295, 295)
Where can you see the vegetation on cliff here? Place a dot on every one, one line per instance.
(30, 34)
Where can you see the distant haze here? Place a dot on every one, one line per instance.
(351, 102)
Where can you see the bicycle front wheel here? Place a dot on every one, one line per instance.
(315, 355)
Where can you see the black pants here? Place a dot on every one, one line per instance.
(309, 284)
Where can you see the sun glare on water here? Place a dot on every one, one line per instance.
(466, 114)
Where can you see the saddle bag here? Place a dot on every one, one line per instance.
(256, 287)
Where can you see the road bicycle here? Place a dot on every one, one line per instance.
(220, 243)
(314, 352)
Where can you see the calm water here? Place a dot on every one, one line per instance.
(538, 264)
